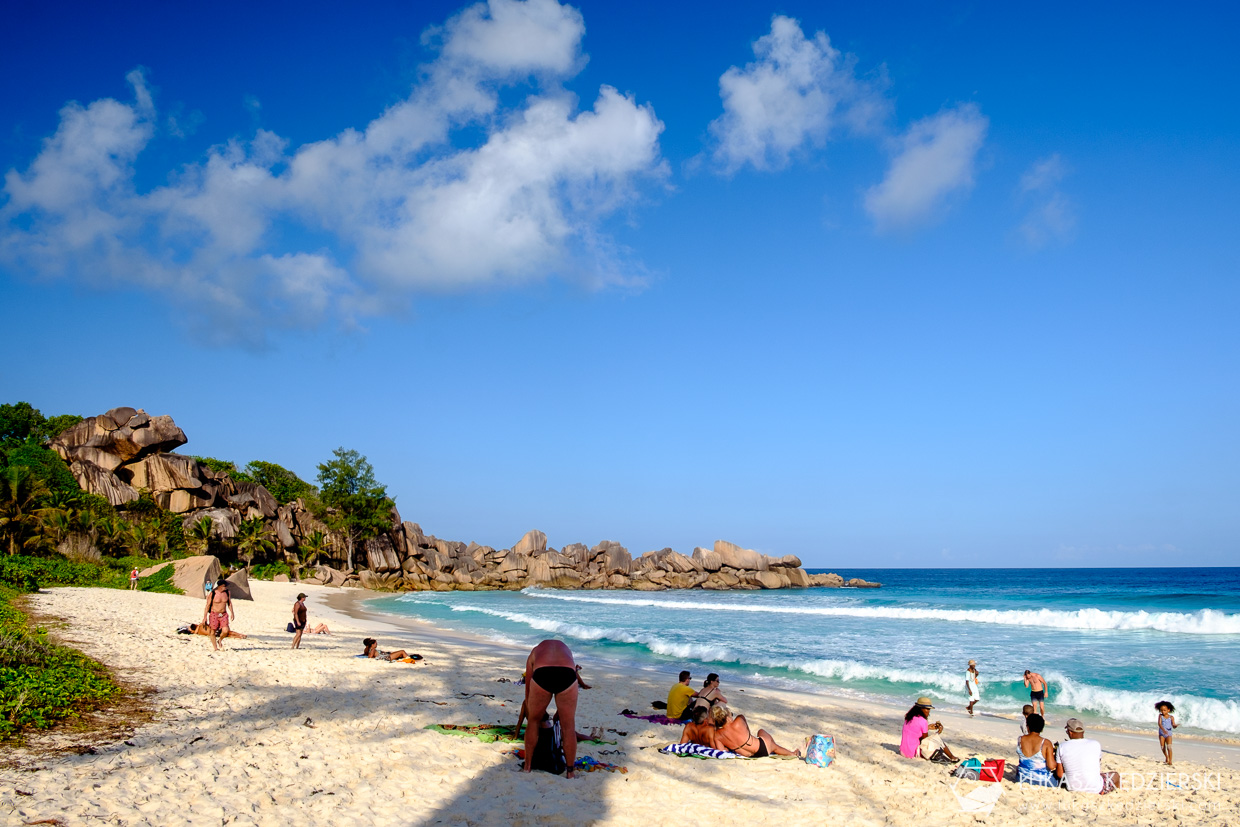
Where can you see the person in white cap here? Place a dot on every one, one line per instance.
(971, 686)
(1079, 762)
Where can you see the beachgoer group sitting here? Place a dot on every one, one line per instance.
(712, 724)
(682, 700)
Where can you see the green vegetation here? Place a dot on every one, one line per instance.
(42, 683)
(268, 571)
(362, 508)
(22, 421)
(160, 582)
(283, 484)
(224, 465)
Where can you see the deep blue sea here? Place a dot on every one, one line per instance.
(1111, 642)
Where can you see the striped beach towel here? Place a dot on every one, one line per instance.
(696, 751)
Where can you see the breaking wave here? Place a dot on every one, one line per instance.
(1203, 622)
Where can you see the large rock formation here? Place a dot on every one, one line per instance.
(120, 453)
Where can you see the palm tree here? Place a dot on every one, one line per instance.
(200, 533)
(112, 533)
(252, 538)
(311, 548)
(20, 491)
(57, 524)
(139, 538)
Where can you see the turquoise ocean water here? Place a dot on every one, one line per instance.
(1111, 642)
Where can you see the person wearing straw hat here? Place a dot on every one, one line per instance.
(922, 739)
(971, 685)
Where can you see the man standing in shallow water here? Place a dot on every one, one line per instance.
(216, 615)
(1037, 691)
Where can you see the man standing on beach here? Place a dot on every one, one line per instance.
(1037, 691)
(299, 619)
(133, 579)
(218, 612)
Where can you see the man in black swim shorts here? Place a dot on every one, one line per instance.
(551, 673)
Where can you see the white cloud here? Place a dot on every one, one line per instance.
(401, 207)
(788, 99)
(1050, 215)
(934, 158)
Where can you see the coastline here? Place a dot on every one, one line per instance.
(258, 732)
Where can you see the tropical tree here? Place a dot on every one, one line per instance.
(57, 524)
(112, 534)
(359, 507)
(200, 533)
(312, 547)
(139, 538)
(283, 484)
(253, 538)
(20, 492)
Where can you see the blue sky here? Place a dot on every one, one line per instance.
(891, 286)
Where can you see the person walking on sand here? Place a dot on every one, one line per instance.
(1166, 725)
(299, 619)
(133, 579)
(1037, 691)
(552, 674)
(970, 686)
(217, 613)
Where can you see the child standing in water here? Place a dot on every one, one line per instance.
(1166, 723)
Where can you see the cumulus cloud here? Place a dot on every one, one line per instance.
(789, 98)
(392, 208)
(1050, 215)
(935, 158)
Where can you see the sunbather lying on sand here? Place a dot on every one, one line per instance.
(700, 730)
(199, 629)
(732, 733)
(372, 650)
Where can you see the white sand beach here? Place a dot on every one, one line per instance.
(261, 734)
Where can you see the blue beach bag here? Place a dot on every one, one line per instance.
(820, 751)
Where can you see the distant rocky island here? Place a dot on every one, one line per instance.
(120, 454)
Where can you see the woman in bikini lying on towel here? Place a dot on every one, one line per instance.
(551, 673)
(732, 733)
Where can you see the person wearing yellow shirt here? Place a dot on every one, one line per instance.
(678, 698)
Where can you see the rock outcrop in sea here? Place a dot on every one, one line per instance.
(119, 453)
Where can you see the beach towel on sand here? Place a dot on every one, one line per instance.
(489, 733)
(584, 764)
(696, 751)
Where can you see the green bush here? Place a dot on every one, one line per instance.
(42, 683)
(224, 465)
(268, 571)
(160, 581)
(46, 465)
(57, 571)
(15, 575)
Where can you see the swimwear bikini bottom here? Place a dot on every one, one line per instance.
(555, 679)
(762, 751)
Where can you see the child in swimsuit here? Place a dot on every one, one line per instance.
(1166, 725)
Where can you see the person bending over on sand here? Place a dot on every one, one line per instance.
(216, 614)
(524, 713)
(372, 650)
(920, 738)
(700, 730)
(1037, 691)
(552, 675)
(678, 697)
(299, 619)
(199, 629)
(732, 733)
(1037, 756)
(1079, 762)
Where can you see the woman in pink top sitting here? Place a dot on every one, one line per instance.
(920, 738)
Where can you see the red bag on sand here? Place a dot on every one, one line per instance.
(992, 770)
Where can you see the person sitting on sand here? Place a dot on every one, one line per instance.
(552, 675)
(700, 730)
(199, 629)
(678, 697)
(1037, 755)
(920, 738)
(1025, 712)
(1079, 762)
(372, 650)
(732, 733)
(707, 696)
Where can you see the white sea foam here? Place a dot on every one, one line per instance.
(1138, 707)
(1203, 622)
